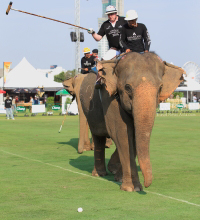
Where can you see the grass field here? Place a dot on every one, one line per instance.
(42, 177)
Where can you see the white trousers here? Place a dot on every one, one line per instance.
(111, 53)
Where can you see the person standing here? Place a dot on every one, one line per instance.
(87, 62)
(111, 28)
(134, 36)
(8, 107)
(194, 98)
(14, 104)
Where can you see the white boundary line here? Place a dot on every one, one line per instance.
(169, 197)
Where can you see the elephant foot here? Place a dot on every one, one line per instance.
(127, 187)
(86, 147)
(137, 186)
(99, 172)
(108, 142)
(80, 150)
(148, 179)
(113, 168)
(92, 146)
(119, 174)
(118, 177)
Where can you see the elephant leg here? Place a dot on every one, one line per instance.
(87, 140)
(82, 131)
(116, 166)
(108, 142)
(135, 177)
(114, 162)
(99, 156)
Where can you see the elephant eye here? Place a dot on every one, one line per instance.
(128, 89)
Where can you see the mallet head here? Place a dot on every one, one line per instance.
(9, 7)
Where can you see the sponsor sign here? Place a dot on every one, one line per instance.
(56, 107)
(164, 106)
(193, 106)
(2, 110)
(38, 108)
(21, 108)
(180, 106)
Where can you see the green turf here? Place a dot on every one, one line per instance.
(41, 173)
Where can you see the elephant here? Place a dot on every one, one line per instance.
(142, 81)
(72, 85)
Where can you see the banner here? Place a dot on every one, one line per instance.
(6, 69)
(164, 106)
(38, 108)
(193, 106)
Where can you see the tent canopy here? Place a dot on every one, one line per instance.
(192, 86)
(24, 75)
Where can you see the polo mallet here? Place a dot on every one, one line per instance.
(64, 119)
(10, 8)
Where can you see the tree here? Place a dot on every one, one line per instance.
(61, 77)
(70, 73)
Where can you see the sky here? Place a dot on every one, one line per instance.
(174, 27)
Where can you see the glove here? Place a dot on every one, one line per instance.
(91, 31)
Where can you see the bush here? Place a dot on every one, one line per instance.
(50, 103)
(180, 94)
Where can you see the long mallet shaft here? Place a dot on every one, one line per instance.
(64, 119)
(10, 8)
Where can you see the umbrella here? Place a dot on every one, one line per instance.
(2, 91)
(21, 90)
(62, 92)
(36, 90)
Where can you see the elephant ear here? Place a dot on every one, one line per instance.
(171, 79)
(69, 85)
(106, 71)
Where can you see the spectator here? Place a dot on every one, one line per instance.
(8, 107)
(16, 99)
(31, 100)
(36, 101)
(195, 98)
(14, 104)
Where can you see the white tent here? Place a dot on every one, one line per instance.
(24, 75)
(192, 86)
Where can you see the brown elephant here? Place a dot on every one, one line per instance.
(73, 85)
(142, 81)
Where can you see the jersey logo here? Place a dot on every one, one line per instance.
(134, 33)
(87, 63)
(108, 27)
(120, 26)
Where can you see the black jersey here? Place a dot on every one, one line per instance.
(8, 103)
(112, 33)
(136, 39)
(87, 63)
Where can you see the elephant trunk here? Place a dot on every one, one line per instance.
(144, 110)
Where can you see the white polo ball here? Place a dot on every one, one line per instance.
(80, 209)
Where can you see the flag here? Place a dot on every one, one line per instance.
(6, 69)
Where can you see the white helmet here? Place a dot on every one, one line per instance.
(110, 9)
(131, 15)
